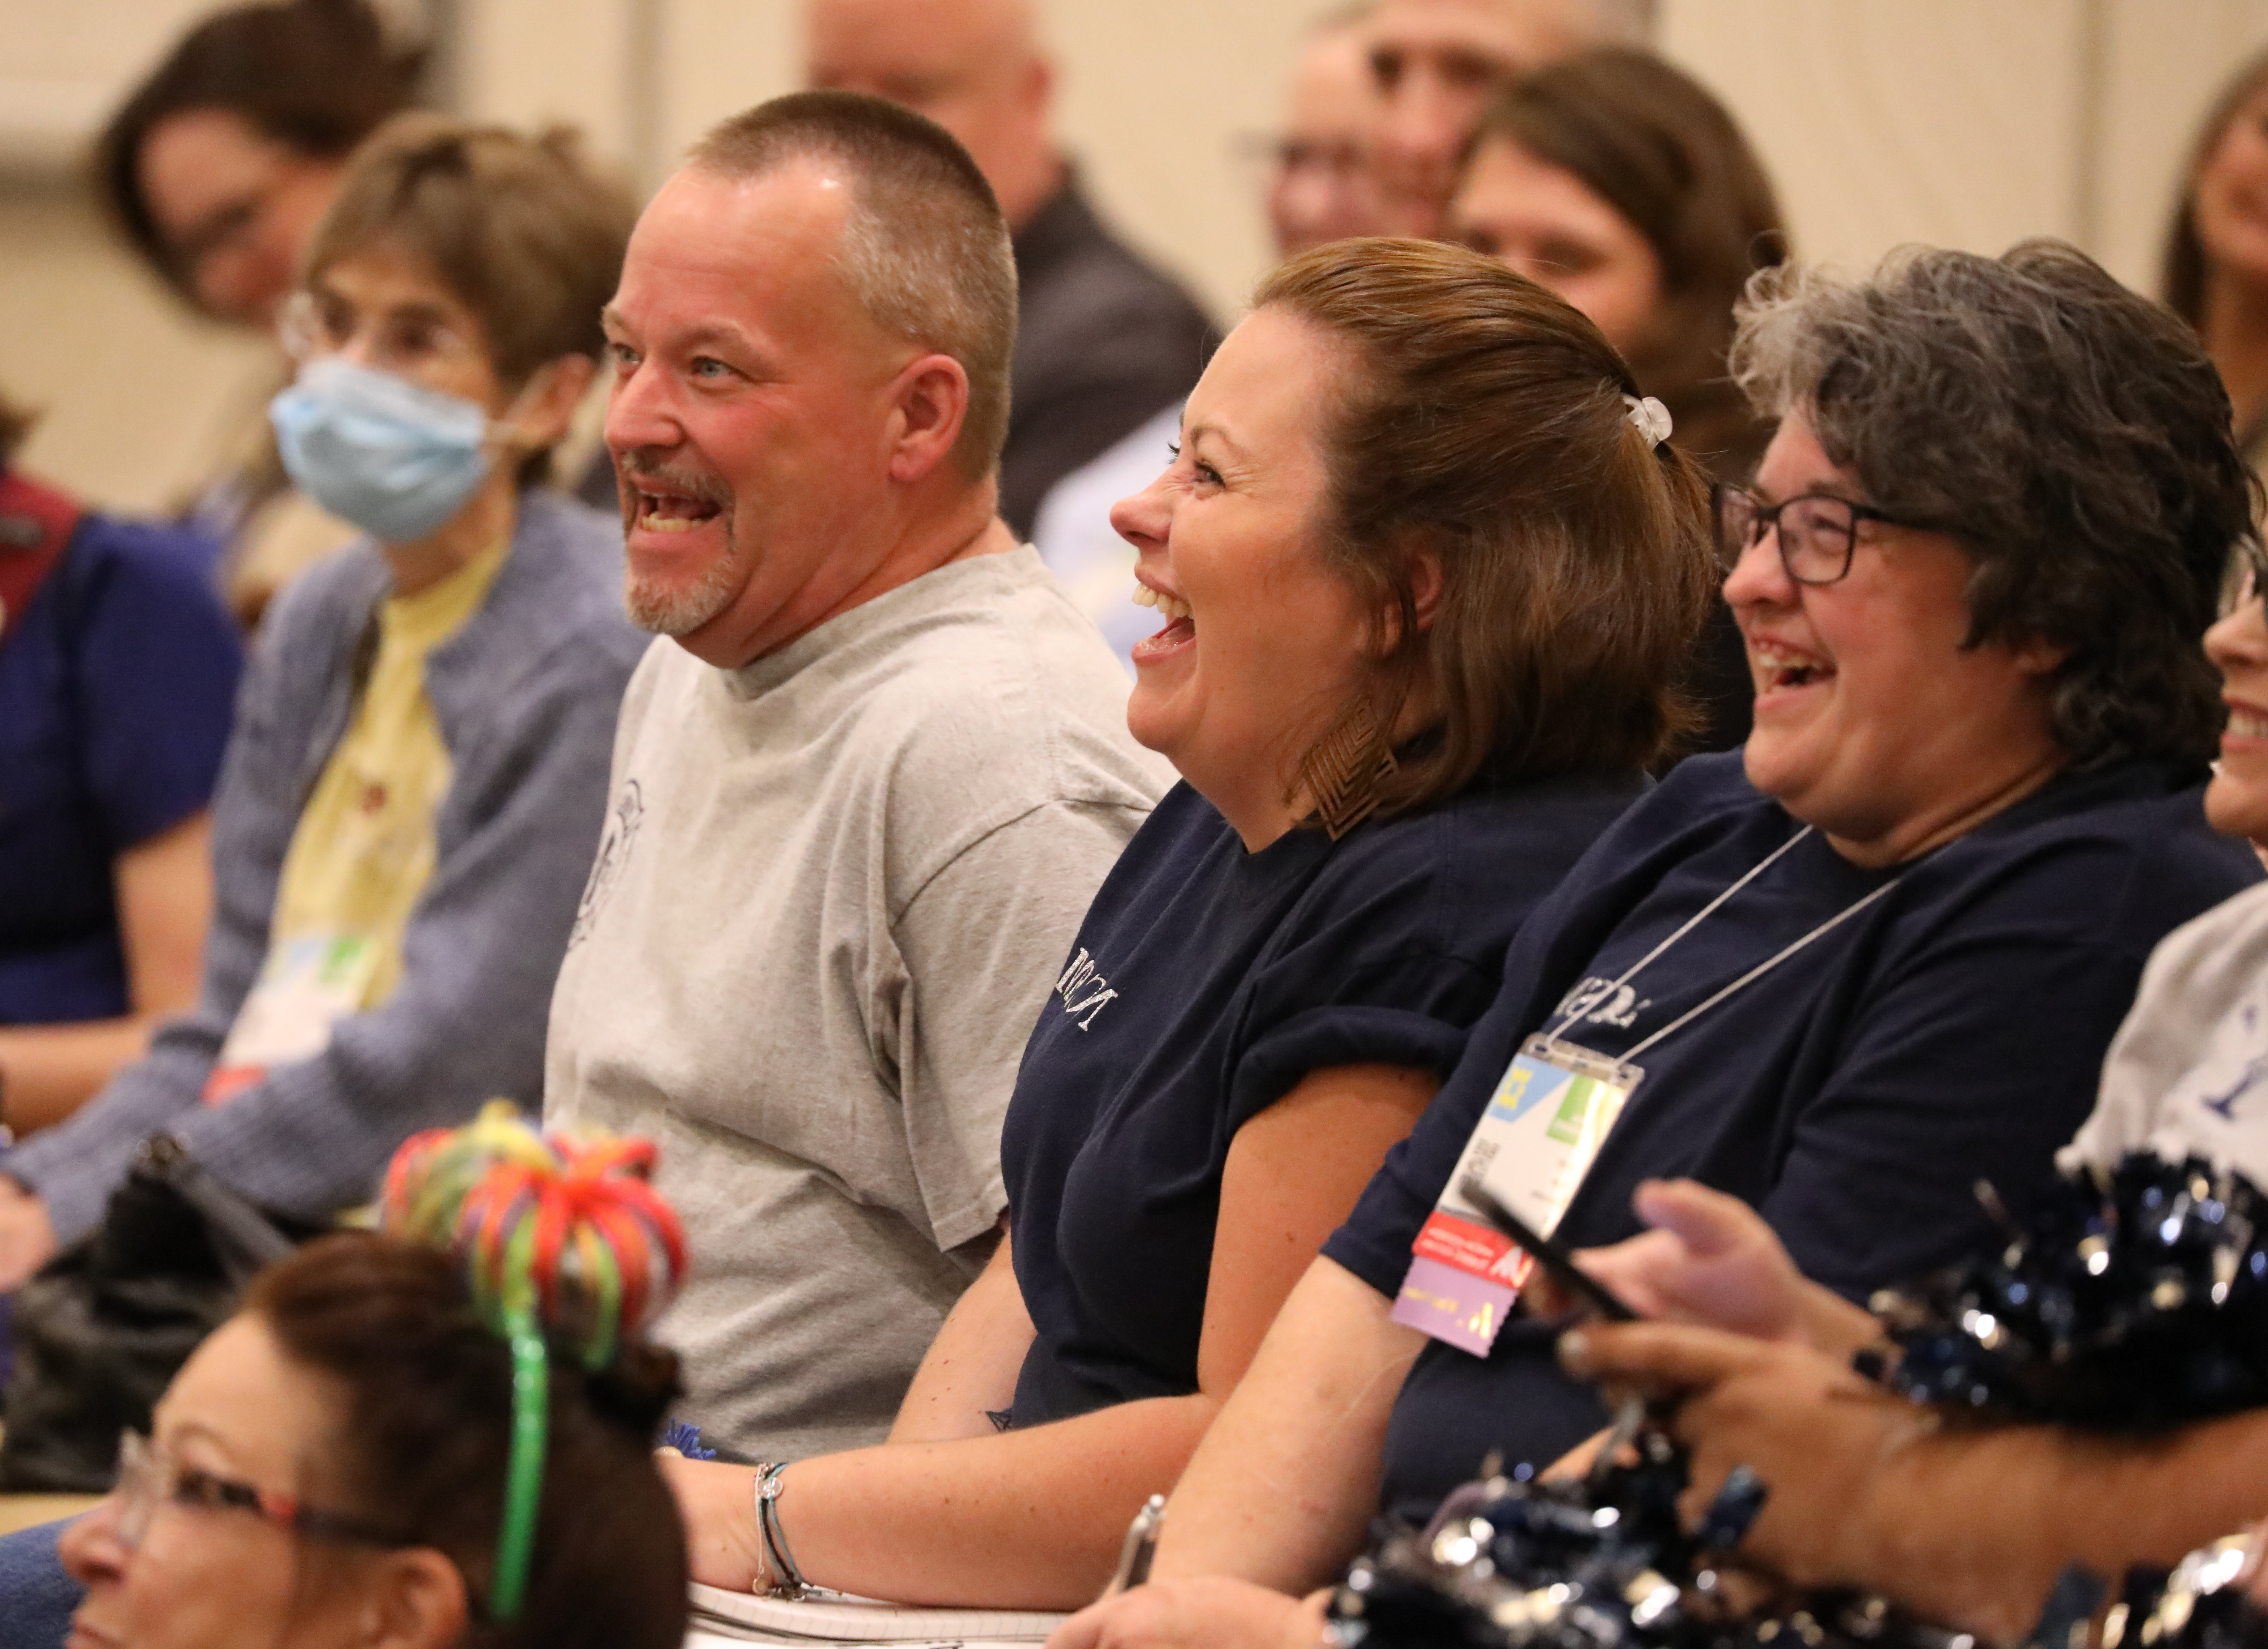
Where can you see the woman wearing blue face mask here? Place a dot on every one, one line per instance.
(419, 772)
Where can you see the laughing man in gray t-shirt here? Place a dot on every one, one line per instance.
(863, 789)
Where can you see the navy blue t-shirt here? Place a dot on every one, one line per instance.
(1953, 1030)
(116, 692)
(1205, 983)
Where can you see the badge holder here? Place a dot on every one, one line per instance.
(1534, 1144)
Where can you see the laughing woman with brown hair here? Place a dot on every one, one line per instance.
(1426, 569)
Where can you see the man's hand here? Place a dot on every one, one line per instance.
(1710, 1260)
(1209, 1612)
(1818, 1435)
(27, 1241)
(722, 1545)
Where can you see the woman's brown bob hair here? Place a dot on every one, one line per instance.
(1482, 420)
(1655, 145)
(524, 234)
(424, 1434)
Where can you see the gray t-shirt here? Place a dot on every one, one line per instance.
(834, 888)
(2188, 1069)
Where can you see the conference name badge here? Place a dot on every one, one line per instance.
(308, 984)
(1536, 1140)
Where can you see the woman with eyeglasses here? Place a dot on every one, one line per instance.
(215, 169)
(419, 764)
(1975, 1525)
(353, 1461)
(1841, 975)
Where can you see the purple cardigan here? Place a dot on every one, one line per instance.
(525, 694)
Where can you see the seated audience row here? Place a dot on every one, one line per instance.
(1401, 710)
(1956, 709)
(1431, 571)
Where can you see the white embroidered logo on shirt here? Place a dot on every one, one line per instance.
(1603, 1002)
(1083, 990)
(613, 853)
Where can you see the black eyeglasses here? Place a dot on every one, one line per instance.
(151, 1475)
(1816, 532)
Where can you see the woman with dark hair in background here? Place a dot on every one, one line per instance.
(218, 168)
(1623, 185)
(2215, 270)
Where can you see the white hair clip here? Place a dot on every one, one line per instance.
(1649, 417)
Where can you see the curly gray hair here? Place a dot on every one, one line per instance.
(2071, 437)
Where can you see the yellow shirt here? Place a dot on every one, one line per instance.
(363, 850)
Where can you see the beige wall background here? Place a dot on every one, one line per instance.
(1962, 122)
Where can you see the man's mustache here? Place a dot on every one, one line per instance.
(630, 471)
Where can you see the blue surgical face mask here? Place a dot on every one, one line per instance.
(394, 457)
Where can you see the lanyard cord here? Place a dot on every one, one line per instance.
(1746, 979)
(1693, 922)
(1761, 969)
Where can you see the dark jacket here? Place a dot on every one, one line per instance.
(1103, 340)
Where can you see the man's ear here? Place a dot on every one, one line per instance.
(929, 403)
(415, 1599)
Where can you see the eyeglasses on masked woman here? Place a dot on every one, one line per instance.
(404, 340)
(1816, 533)
(151, 1475)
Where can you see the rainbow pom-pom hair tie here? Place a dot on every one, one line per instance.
(564, 1242)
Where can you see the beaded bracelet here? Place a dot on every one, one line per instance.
(786, 1580)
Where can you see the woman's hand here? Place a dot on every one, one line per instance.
(722, 1545)
(1709, 1260)
(1211, 1612)
(1816, 1433)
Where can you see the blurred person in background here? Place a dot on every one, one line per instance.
(1104, 340)
(418, 768)
(2214, 273)
(216, 169)
(1623, 185)
(1438, 62)
(1321, 188)
(118, 672)
(1321, 185)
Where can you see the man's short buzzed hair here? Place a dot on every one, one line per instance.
(924, 249)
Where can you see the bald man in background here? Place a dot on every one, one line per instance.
(1104, 340)
(1438, 62)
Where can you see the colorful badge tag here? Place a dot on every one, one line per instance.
(308, 985)
(1533, 1146)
